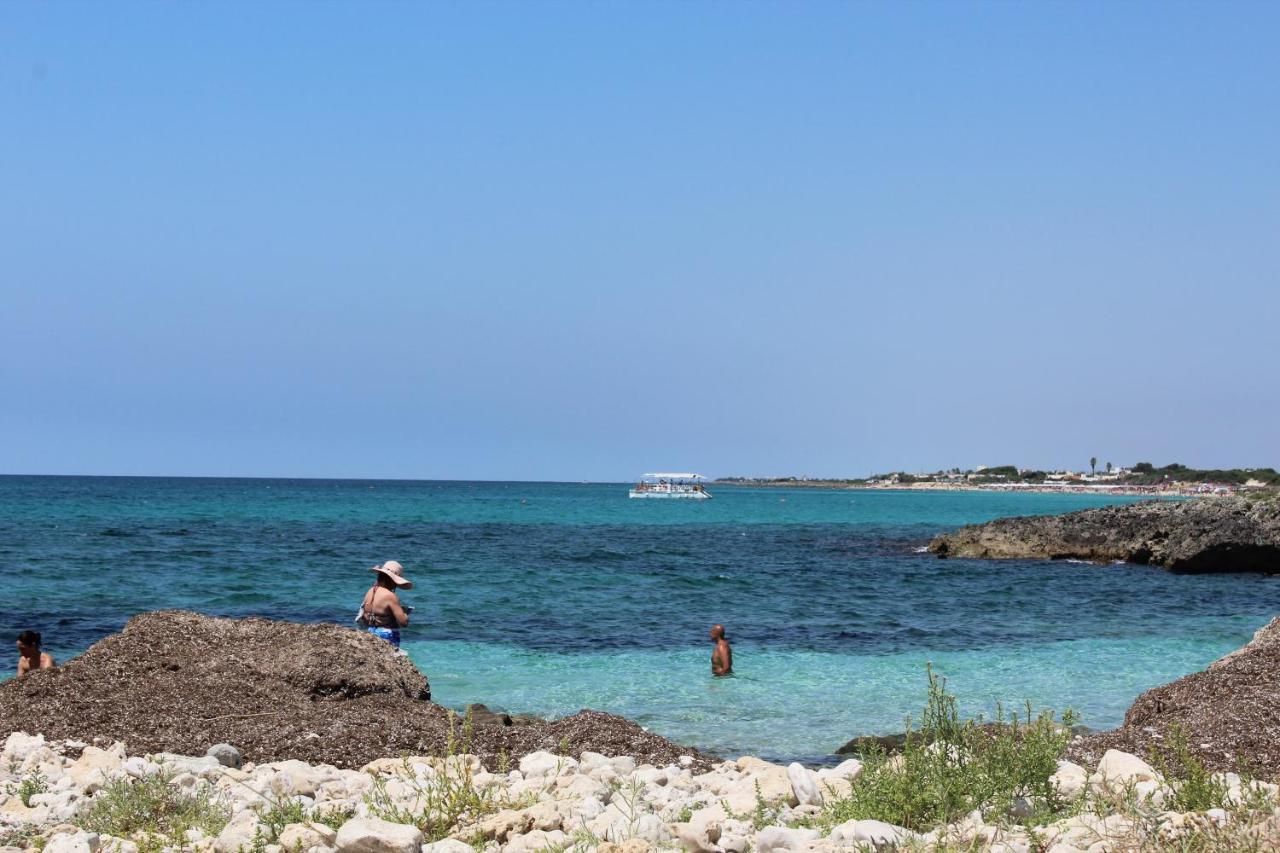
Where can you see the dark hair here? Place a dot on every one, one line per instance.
(29, 638)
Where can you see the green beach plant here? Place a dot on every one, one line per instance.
(764, 813)
(28, 786)
(279, 814)
(24, 836)
(156, 811)
(332, 816)
(447, 799)
(1195, 788)
(951, 766)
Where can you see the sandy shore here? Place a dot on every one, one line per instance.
(1021, 488)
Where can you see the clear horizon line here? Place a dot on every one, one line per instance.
(312, 477)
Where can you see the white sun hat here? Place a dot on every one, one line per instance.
(394, 571)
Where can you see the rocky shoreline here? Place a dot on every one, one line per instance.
(1220, 535)
(172, 681)
(183, 733)
(454, 803)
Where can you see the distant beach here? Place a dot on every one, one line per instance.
(1098, 489)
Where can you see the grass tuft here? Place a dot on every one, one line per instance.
(156, 808)
(444, 802)
(1195, 788)
(31, 784)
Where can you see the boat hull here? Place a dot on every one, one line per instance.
(670, 496)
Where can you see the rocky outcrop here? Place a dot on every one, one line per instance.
(1208, 535)
(180, 682)
(1229, 714)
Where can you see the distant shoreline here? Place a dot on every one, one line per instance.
(1012, 488)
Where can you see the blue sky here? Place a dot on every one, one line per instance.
(582, 241)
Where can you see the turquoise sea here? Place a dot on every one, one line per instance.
(551, 597)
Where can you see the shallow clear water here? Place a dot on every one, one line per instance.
(547, 598)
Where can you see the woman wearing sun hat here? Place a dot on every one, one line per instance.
(381, 613)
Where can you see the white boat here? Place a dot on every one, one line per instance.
(665, 485)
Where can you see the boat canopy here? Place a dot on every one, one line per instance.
(677, 476)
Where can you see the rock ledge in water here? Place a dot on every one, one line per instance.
(1204, 535)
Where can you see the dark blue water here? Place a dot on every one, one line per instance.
(551, 597)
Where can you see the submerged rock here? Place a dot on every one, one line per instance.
(1206, 535)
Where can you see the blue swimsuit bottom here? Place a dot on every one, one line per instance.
(391, 635)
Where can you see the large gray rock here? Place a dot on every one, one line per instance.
(1118, 769)
(305, 836)
(804, 784)
(226, 755)
(875, 834)
(448, 845)
(78, 842)
(783, 838)
(373, 835)
(1070, 779)
(538, 764)
(19, 745)
(239, 832)
(1201, 535)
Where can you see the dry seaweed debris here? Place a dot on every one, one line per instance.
(179, 682)
(1230, 713)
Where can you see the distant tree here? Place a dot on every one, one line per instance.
(1144, 468)
(1108, 467)
(1093, 464)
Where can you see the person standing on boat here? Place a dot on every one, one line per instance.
(722, 656)
(381, 612)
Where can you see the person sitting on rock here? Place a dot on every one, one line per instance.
(381, 613)
(29, 655)
(722, 656)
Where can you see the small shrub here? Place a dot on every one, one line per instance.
(444, 801)
(1195, 788)
(765, 813)
(628, 798)
(949, 767)
(332, 816)
(30, 785)
(155, 807)
(279, 814)
(686, 814)
(25, 836)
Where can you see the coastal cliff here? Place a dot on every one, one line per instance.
(1210, 535)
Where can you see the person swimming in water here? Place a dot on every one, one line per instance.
(29, 655)
(381, 612)
(722, 655)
